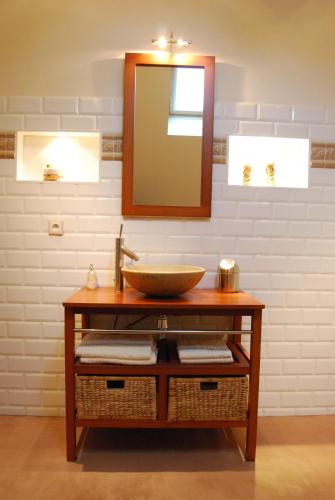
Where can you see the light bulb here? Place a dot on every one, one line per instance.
(162, 42)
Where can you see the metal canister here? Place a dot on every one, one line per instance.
(228, 276)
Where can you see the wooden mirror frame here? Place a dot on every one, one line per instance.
(180, 60)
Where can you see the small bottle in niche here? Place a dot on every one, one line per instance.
(246, 175)
(270, 174)
(91, 280)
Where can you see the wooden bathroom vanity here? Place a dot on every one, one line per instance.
(197, 302)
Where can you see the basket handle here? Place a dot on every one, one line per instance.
(115, 384)
(208, 386)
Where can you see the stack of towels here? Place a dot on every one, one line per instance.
(203, 350)
(121, 349)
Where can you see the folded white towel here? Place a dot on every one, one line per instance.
(124, 361)
(115, 351)
(204, 353)
(207, 360)
(212, 344)
(203, 350)
(114, 346)
(118, 339)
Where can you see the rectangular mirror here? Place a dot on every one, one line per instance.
(168, 135)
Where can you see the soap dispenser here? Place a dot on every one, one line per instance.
(91, 280)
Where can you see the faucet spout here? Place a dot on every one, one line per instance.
(132, 255)
(120, 251)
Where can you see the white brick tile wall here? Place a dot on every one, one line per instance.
(111, 124)
(3, 101)
(35, 204)
(97, 105)
(25, 397)
(24, 329)
(43, 312)
(11, 122)
(223, 128)
(59, 189)
(271, 112)
(309, 114)
(41, 277)
(322, 132)
(282, 239)
(41, 381)
(299, 366)
(256, 128)
(38, 348)
(59, 260)
(60, 105)
(289, 211)
(11, 381)
(240, 110)
(23, 259)
(78, 123)
(100, 260)
(11, 241)
(12, 187)
(40, 241)
(24, 104)
(23, 295)
(11, 204)
(56, 330)
(23, 222)
(42, 122)
(76, 205)
(9, 346)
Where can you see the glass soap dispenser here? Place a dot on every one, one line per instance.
(91, 280)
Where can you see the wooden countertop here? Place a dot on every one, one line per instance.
(198, 298)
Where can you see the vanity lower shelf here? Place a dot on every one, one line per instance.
(168, 364)
(102, 384)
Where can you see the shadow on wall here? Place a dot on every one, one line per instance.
(107, 80)
(229, 82)
(107, 77)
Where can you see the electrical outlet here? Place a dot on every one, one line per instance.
(56, 228)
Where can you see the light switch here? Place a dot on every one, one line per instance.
(56, 228)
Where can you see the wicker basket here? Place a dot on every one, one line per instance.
(116, 397)
(219, 398)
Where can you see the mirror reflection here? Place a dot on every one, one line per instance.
(168, 135)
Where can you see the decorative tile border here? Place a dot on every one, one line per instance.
(7, 145)
(323, 155)
(220, 150)
(111, 148)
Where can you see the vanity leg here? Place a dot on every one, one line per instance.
(70, 386)
(255, 349)
(163, 397)
(237, 325)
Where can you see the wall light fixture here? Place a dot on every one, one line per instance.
(170, 42)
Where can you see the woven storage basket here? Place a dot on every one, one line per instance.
(220, 398)
(116, 397)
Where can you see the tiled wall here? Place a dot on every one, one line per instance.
(283, 240)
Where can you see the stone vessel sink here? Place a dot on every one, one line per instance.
(163, 280)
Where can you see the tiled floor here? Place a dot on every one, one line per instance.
(295, 460)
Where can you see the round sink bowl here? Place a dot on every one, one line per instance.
(163, 280)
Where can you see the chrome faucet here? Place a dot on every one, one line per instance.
(120, 251)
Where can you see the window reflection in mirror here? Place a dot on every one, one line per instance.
(186, 102)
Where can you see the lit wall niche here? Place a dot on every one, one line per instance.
(268, 161)
(66, 156)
